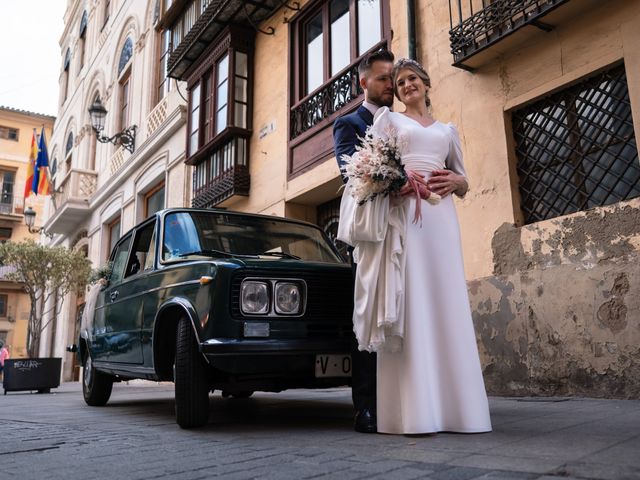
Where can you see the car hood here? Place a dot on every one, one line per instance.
(284, 263)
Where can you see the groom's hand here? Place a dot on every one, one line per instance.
(444, 182)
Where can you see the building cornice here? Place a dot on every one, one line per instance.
(27, 113)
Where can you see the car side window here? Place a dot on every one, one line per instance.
(120, 256)
(143, 250)
(148, 263)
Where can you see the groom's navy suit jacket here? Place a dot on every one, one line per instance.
(346, 130)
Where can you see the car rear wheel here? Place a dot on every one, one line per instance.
(96, 386)
(192, 390)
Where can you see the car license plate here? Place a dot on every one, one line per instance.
(333, 365)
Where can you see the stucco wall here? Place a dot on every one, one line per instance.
(555, 303)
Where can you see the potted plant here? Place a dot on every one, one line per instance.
(46, 273)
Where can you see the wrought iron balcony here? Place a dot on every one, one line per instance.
(231, 182)
(11, 207)
(6, 270)
(71, 200)
(194, 30)
(324, 102)
(483, 23)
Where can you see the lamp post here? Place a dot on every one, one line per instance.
(126, 138)
(29, 220)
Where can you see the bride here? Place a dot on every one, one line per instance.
(433, 383)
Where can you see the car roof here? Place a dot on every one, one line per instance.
(162, 213)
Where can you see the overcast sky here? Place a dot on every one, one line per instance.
(30, 58)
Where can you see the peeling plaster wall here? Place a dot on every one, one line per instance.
(561, 314)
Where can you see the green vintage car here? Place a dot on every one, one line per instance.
(220, 300)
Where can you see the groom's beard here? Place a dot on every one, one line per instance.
(384, 100)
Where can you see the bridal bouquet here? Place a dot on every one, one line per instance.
(375, 168)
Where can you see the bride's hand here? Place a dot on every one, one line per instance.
(418, 177)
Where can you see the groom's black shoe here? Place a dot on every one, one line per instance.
(365, 421)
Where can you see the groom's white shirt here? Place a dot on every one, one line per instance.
(372, 107)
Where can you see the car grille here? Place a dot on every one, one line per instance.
(329, 299)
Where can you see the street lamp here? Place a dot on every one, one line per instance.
(126, 138)
(30, 218)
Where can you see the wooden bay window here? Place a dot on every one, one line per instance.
(219, 121)
(328, 39)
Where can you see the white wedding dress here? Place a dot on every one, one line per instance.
(435, 383)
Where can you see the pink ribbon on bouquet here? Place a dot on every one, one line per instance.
(415, 186)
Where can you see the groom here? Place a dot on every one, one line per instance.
(375, 79)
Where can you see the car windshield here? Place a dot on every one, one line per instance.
(189, 235)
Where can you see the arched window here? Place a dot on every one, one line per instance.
(54, 166)
(65, 74)
(81, 40)
(68, 152)
(124, 81)
(125, 55)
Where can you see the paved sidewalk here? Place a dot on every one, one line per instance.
(305, 434)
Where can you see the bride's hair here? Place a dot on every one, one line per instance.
(409, 63)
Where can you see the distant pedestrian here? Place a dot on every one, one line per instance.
(4, 354)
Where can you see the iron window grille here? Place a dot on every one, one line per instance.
(576, 149)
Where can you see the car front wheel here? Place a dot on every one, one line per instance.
(192, 390)
(96, 386)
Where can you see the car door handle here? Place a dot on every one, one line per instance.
(114, 295)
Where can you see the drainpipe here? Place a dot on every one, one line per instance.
(411, 28)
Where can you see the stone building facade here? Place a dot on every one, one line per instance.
(544, 94)
(112, 51)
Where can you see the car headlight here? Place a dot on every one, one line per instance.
(254, 297)
(288, 298)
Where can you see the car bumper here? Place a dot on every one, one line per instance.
(227, 346)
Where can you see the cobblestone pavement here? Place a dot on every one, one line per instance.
(302, 434)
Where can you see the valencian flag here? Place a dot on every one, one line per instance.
(41, 185)
(33, 154)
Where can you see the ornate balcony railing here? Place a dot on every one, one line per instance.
(116, 161)
(324, 102)
(76, 185)
(157, 116)
(481, 23)
(222, 174)
(71, 200)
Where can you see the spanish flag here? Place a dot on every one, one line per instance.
(41, 184)
(33, 154)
